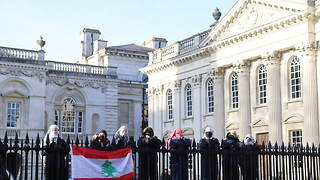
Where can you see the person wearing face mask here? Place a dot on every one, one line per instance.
(148, 158)
(209, 162)
(121, 139)
(249, 161)
(55, 153)
(179, 160)
(100, 141)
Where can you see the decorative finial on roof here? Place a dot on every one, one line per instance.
(216, 15)
(41, 42)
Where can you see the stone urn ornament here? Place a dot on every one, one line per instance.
(41, 42)
(216, 15)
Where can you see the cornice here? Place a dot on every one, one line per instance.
(262, 30)
(24, 66)
(126, 53)
(15, 72)
(175, 61)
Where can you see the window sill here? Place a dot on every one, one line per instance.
(191, 118)
(168, 122)
(293, 101)
(261, 106)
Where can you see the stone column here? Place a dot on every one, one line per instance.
(137, 118)
(218, 90)
(307, 55)
(272, 62)
(158, 119)
(244, 98)
(150, 108)
(196, 106)
(176, 95)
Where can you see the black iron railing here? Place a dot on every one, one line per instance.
(25, 159)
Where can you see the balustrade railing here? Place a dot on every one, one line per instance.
(18, 53)
(178, 48)
(77, 68)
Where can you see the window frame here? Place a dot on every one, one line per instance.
(17, 120)
(210, 96)
(169, 105)
(262, 85)
(188, 98)
(234, 94)
(295, 85)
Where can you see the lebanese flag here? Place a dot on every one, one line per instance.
(91, 164)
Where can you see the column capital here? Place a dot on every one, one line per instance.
(216, 73)
(271, 58)
(176, 86)
(241, 67)
(150, 92)
(158, 89)
(306, 48)
(196, 80)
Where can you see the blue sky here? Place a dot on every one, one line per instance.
(119, 21)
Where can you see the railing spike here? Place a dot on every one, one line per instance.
(319, 148)
(86, 143)
(282, 147)
(194, 146)
(276, 146)
(38, 139)
(27, 141)
(289, 146)
(68, 139)
(313, 148)
(77, 141)
(5, 140)
(263, 146)
(163, 143)
(47, 140)
(16, 139)
(307, 147)
(269, 146)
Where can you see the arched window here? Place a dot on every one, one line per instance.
(262, 85)
(234, 91)
(169, 105)
(69, 118)
(295, 79)
(210, 96)
(188, 100)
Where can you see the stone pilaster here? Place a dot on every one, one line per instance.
(272, 62)
(219, 113)
(176, 94)
(196, 106)
(158, 104)
(307, 55)
(242, 68)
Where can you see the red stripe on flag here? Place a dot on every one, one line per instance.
(96, 154)
(124, 177)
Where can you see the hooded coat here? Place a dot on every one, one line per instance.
(56, 151)
(99, 143)
(149, 144)
(209, 161)
(121, 139)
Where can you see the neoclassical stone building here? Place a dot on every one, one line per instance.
(103, 90)
(255, 71)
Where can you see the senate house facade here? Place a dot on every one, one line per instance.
(255, 71)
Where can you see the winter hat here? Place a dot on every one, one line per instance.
(208, 129)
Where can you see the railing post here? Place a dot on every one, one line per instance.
(37, 149)
(26, 149)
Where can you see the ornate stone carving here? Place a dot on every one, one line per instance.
(242, 66)
(271, 58)
(196, 80)
(22, 73)
(307, 48)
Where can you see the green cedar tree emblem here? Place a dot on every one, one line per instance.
(108, 169)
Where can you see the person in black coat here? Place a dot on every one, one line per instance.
(231, 161)
(3, 173)
(55, 153)
(179, 160)
(100, 141)
(148, 157)
(249, 161)
(121, 139)
(209, 162)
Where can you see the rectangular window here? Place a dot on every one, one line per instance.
(13, 114)
(80, 120)
(296, 141)
(56, 118)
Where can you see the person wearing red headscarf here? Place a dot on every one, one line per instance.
(179, 158)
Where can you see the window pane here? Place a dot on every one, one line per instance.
(13, 114)
(234, 90)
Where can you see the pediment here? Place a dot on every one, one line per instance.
(259, 123)
(248, 15)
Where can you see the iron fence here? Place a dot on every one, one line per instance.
(24, 159)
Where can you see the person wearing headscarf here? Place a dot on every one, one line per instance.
(249, 161)
(179, 160)
(148, 158)
(100, 141)
(230, 162)
(121, 139)
(56, 151)
(209, 161)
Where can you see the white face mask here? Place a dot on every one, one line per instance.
(122, 133)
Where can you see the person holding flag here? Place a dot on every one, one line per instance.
(121, 139)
